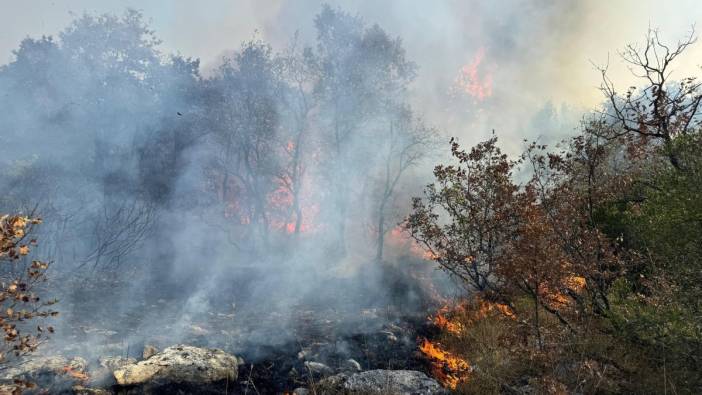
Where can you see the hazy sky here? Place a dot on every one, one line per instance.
(533, 52)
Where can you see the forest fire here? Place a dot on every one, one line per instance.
(559, 299)
(470, 311)
(75, 373)
(449, 369)
(400, 240)
(441, 321)
(473, 80)
(487, 307)
(429, 209)
(282, 203)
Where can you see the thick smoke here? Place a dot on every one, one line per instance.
(538, 51)
(271, 186)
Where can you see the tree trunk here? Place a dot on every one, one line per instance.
(381, 235)
(537, 327)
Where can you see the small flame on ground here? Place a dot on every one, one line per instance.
(446, 324)
(487, 307)
(75, 373)
(449, 369)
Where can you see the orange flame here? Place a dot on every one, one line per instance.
(76, 374)
(487, 307)
(441, 321)
(400, 240)
(449, 369)
(556, 298)
(577, 283)
(280, 203)
(473, 79)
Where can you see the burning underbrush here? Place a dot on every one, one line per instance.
(454, 324)
(482, 346)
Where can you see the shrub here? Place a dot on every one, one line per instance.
(20, 288)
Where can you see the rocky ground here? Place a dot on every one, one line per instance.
(183, 369)
(322, 348)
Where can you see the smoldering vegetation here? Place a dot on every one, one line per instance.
(228, 210)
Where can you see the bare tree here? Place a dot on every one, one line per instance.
(660, 109)
(118, 230)
(406, 142)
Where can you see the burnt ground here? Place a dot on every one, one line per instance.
(340, 321)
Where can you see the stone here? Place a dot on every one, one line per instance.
(114, 363)
(399, 382)
(36, 366)
(350, 366)
(180, 364)
(318, 368)
(53, 374)
(149, 351)
(103, 375)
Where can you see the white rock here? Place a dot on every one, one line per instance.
(317, 367)
(180, 364)
(351, 366)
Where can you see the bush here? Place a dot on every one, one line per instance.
(20, 288)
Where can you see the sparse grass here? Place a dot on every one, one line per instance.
(505, 357)
(492, 348)
(493, 364)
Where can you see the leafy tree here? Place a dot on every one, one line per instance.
(597, 253)
(659, 308)
(246, 135)
(181, 125)
(95, 88)
(468, 214)
(360, 70)
(298, 77)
